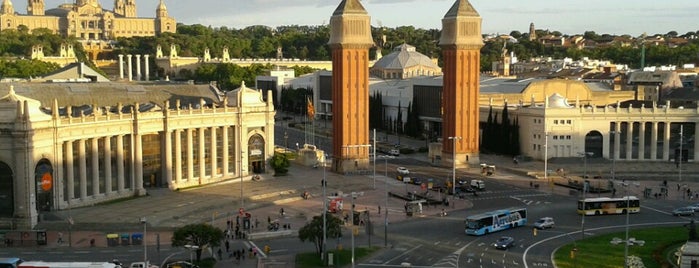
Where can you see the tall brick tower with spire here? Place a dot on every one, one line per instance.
(350, 40)
(461, 44)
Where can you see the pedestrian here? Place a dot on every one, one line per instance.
(257, 223)
(60, 238)
(281, 212)
(228, 246)
(220, 254)
(379, 210)
(269, 221)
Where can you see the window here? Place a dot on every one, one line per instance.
(555, 122)
(555, 137)
(568, 122)
(568, 137)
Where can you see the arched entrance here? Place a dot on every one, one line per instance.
(256, 154)
(593, 144)
(43, 175)
(7, 198)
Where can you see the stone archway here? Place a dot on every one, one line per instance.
(43, 176)
(7, 198)
(256, 154)
(593, 144)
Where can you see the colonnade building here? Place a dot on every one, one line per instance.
(66, 145)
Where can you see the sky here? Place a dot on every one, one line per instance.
(618, 17)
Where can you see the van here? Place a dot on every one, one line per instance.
(478, 185)
(394, 152)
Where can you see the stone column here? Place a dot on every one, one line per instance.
(201, 142)
(642, 140)
(138, 67)
(107, 165)
(654, 141)
(70, 172)
(120, 163)
(95, 165)
(82, 165)
(226, 157)
(178, 157)
(168, 158)
(617, 140)
(190, 157)
(214, 153)
(666, 142)
(121, 66)
(138, 164)
(128, 64)
(629, 140)
(146, 69)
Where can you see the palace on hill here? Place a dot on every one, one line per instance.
(87, 19)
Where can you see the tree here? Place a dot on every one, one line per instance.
(280, 163)
(313, 231)
(199, 234)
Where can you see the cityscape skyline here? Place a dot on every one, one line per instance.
(576, 17)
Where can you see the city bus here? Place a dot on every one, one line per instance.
(606, 205)
(10, 262)
(496, 220)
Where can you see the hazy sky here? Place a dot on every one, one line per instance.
(499, 16)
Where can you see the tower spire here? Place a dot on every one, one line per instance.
(161, 10)
(6, 7)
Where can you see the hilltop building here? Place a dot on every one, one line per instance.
(87, 20)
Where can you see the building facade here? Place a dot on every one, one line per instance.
(87, 20)
(66, 145)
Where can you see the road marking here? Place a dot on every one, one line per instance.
(406, 252)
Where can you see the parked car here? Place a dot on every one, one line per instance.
(403, 171)
(694, 206)
(504, 242)
(416, 181)
(544, 223)
(683, 211)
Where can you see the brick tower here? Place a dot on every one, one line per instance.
(461, 43)
(350, 40)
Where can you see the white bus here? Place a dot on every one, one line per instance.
(496, 220)
(44, 264)
(606, 205)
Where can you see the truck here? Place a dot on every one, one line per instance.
(44, 264)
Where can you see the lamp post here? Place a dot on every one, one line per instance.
(145, 245)
(626, 240)
(324, 184)
(240, 170)
(679, 164)
(453, 163)
(613, 153)
(385, 209)
(374, 159)
(584, 189)
(354, 196)
(546, 161)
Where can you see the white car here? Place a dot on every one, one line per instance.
(544, 223)
(403, 171)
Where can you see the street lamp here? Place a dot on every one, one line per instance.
(354, 196)
(546, 161)
(584, 189)
(145, 245)
(324, 184)
(385, 217)
(626, 241)
(679, 164)
(240, 170)
(614, 153)
(453, 163)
